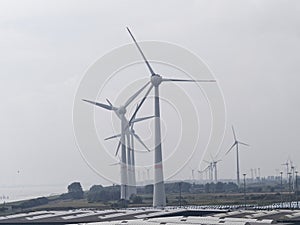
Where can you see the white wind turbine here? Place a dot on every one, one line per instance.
(120, 112)
(200, 174)
(236, 144)
(214, 163)
(209, 168)
(130, 136)
(133, 135)
(287, 169)
(213, 168)
(192, 173)
(159, 196)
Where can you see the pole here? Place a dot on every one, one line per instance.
(125, 196)
(113, 192)
(296, 190)
(281, 191)
(216, 172)
(290, 190)
(244, 190)
(237, 166)
(180, 194)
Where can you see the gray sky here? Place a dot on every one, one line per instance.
(46, 46)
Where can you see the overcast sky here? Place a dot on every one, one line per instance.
(251, 46)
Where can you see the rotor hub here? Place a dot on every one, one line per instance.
(156, 80)
(122, 110)
(132, 130)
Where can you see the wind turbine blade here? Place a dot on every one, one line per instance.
(242, 143)
(136, 94)
(233, 133)
(140, 50)
(184, 80)
(140, 140)
(230, 148)
(206, 168)
(111, 137)
(142, 119)
(132, 123)
(118, 148)
(109, 102)
(206, 161)
(100, 105)
(141, 103)
(114, 164)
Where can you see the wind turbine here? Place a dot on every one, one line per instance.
(236, 144)
(292, 169)
(214, 164)
(213, 171)
(209, 168)
(130, 136)
(159, 196)
(193, 174)
(287, 169)
(200, 174)
(120, 112)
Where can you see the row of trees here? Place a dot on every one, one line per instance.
(98, 193)
(186, 187)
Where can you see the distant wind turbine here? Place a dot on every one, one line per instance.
(287, 169)
(209, 169)
(192, 173)
(214, 163)
(200, 174)
(236, 144)
(213, 171)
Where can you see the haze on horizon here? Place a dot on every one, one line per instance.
(251, 46)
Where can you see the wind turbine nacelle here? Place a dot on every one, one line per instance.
(156, 80)
(121, 110)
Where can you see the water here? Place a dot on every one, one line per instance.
(17, 193)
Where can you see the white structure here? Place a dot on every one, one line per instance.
(236, 143)
(159, 197)
(120, 112)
